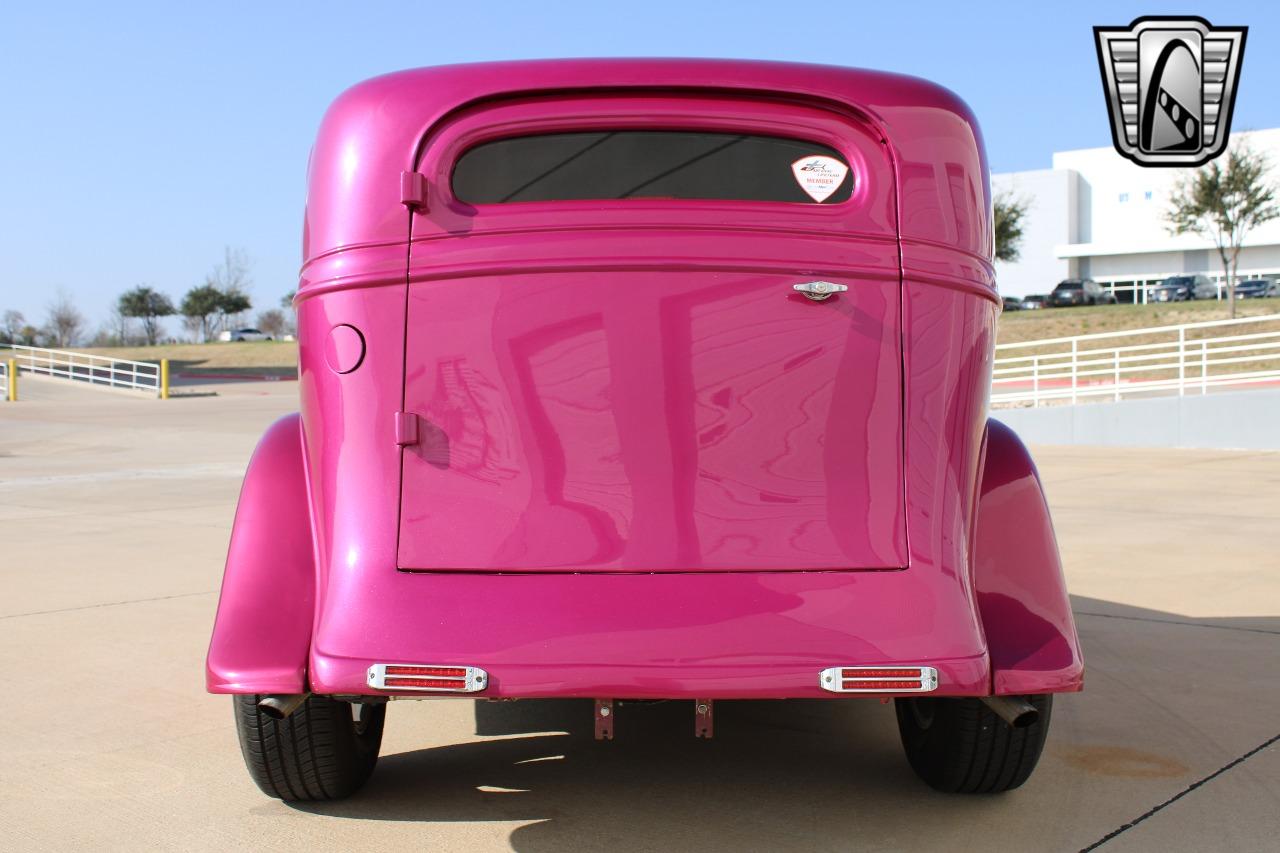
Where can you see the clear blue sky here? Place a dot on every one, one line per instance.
(140, 139)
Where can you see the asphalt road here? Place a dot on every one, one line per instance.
(116, 512)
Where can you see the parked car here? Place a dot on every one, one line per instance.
(1257, 288)
(1180, 288)
(1035, 301)
(578, 420)
(1011, 303)
(244, 335)
(1077, 291)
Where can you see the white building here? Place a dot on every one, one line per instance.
(1097, 215)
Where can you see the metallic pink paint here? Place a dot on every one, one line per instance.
(262, 632)
(1026, 614)
(633, 438)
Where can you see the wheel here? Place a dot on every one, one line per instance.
(961, 746)
(320, 752)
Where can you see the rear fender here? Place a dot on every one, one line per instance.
(262, 633)
(1022, 597)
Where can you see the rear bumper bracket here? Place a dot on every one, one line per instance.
(703, 711)
(604, 719)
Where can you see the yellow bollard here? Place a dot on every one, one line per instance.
(164, 379)
(13, 380)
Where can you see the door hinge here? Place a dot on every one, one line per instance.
(406, 429)
(413, 190)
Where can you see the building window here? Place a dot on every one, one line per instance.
(1124, 197)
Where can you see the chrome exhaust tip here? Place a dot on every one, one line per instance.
(278, 706)
(1014, 710)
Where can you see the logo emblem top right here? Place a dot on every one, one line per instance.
(1170, 85)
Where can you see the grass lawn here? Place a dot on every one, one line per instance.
(1019, 326)
(281, 357)
(1023, 326)
(276, 358)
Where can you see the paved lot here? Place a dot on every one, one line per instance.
(115, 519)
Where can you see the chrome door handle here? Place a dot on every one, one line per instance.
(819, 290)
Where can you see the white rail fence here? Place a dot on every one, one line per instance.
(1186, 359)
(81, 367)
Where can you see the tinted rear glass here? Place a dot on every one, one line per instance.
(1179, 281)
(651, 164)
(1069, 285)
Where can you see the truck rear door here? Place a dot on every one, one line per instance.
(608, 364)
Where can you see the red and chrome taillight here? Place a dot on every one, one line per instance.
(427, 677)
(879, 679)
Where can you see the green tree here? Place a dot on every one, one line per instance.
(234, 302)
(146, 305)
(1224, 204)
(207, 308)
(1009, 212)
(202, 306)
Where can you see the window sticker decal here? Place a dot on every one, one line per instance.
(819, 175)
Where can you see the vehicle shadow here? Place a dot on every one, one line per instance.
(767, 779)
(820, 774)
(196, 368)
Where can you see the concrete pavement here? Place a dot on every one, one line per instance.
(115, 514)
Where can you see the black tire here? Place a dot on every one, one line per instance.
(319, 753)
(961, 747)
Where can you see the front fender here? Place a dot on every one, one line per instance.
(1022, 597)
(262, 633)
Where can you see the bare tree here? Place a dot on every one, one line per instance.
(272, 322)
(11, 326)
(115, 329)
(65, 323)
(286, 302)
(232, 277)
(1009, 212)
(1224, 205)
(233, 273)
(119, 325)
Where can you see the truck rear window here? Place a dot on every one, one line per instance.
(651, 164)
